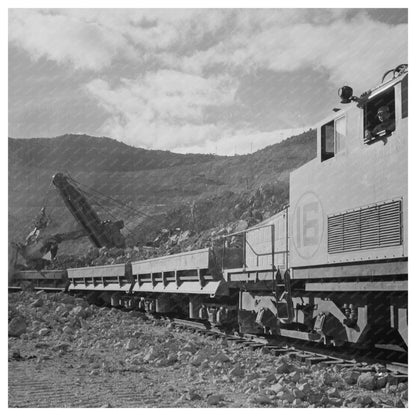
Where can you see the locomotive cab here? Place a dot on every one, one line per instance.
(379, 116)
(344, 234)
(350, 202)
(333, 137)
(348, 210)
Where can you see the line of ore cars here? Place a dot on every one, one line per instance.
(330, 268)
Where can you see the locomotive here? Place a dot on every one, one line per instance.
(331, 267)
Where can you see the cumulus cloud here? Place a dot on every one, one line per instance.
(198, 60)
(357, 50)
(195, 40)
(66, 39)
(163, 108)
(93, 39)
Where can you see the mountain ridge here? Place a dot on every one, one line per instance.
(58, 151)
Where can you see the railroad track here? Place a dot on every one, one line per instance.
(45, 289)
(305, 354)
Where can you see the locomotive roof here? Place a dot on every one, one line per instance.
(371, 93)
(386, 85)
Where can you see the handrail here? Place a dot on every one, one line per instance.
(273, 252)
(248, 230)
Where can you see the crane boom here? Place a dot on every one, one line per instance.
(101, 233)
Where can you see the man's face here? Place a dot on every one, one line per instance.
(383, 115)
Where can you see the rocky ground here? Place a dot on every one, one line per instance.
(64, 352)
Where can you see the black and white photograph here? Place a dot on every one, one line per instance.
(207, 207)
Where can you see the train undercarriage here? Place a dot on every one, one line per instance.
(359, 318)
(363, 313)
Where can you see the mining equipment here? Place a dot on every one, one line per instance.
(41, 246)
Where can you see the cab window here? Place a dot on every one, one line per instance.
(333, 138)
(405, 97)
(379, 116)
(340, 134)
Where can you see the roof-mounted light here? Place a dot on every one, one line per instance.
(345, 93)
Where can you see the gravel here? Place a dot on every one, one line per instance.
(64, 352)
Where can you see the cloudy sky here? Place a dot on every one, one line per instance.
(216, 81)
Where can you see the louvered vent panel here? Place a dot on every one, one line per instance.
(378, 226)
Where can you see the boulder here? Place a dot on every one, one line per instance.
(79, 312)
(171, 358)
(62, 346)
(41, 345)
(283, 368)
(236, 371)
(60, 309)
(265, 351)
(304, 388)
(404, 395)
(315, 397)
(364, 400)
(333, 393)
(285, 395)
(199, 357)
(67, 299)
(68, 330)
(152, 354)
(297, 402)
(335, 401)
(190, 347)
(271, 378)
(351, 377)
(298, 393)
(221, 357)
(387, 402)
(161, 362)
(16, 356)
(215, 399)
(367, 381)
(261, 399)
(37, 303)
(132, 344)
(402, 387)
(192, 395)
(17, 327)
(328, 379)
(399, 403)
(251, 376)
(240, 226)
(183, 355)
(184, 236)
(381, 381)
(44, 331)
(294, 376)
(277, 388)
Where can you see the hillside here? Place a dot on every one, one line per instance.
(72, 152)
(159, 187)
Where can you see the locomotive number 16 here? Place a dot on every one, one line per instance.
(307, 225)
